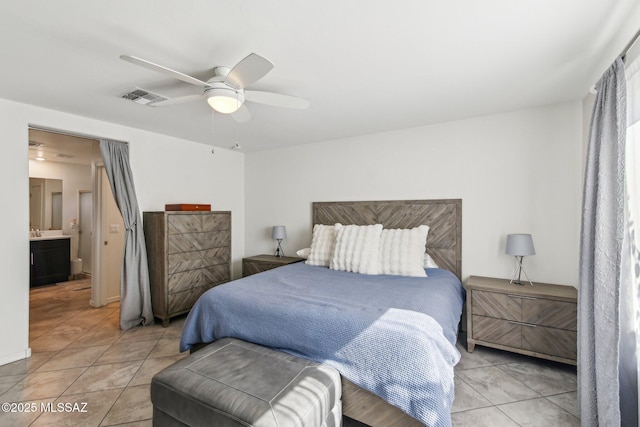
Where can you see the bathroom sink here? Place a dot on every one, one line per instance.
(49, 234)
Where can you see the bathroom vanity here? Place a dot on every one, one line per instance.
(49, 259)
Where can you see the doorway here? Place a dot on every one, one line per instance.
(108, 238)
(75, 160)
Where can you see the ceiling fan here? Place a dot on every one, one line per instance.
(225, 91)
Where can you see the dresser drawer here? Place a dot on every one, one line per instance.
(183, 301)
(497, 331)
(183, 223)
(545, 312)
(551, 341)
(199, 277)
(183, 261)
(215, 223)
(259, 263)
(189, 223)
(538, 311)
(188, 242)
(249, 268)
(494, 304)
(535, 338)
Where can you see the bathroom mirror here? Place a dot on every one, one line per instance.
(45, 204)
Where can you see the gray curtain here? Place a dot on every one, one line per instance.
(135, 298)
(603, 225)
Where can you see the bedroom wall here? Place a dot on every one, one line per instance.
(518, 172)
(165, 169)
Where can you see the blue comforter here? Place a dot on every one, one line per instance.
(392, 335)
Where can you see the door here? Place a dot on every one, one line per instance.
(35, 206)
(113, 233)
(85, 230)
(56, 211)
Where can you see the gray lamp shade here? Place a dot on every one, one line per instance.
(279, 232)
(520, 245)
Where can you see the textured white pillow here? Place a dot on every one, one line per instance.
(304, 253)
(356, 248)
(429, 262)
(323, 240)
(402, 251)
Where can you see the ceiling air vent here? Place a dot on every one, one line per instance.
(143, 97)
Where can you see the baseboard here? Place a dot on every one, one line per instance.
(113, 299)
(15, 356)
(92, 303)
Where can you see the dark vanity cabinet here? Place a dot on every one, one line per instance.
(50, 261)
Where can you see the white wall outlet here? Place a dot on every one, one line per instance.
(114, 228)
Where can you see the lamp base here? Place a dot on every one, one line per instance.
(279, 252)
(515, 279)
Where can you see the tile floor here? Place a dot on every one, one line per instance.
(80, 356)
(502, 389)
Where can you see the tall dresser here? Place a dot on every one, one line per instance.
(189, 253)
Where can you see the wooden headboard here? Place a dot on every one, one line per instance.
(444, 218)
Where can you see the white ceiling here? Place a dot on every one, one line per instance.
(366, 66)
(61, 148)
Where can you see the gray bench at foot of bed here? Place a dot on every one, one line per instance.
(235, 383)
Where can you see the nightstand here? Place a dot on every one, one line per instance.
(538, 320)
(260, 263)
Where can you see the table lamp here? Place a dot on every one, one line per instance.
(279, 233)
(519, 245)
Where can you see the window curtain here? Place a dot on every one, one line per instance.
(135, 297)
(606, 375)
(631, 248)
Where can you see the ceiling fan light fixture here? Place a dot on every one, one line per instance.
(223, 104)
(225, 101)
(225, 91)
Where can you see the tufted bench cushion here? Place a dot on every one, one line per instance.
(235, 383)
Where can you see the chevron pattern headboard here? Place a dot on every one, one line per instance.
(444, 218)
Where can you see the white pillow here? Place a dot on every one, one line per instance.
(323, 240)
(402, 251)
(356, 248)
(304, 253)
(429, 262)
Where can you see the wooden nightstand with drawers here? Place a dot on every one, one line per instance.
(538, 320)
(260, 263)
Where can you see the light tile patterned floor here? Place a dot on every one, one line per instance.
(497, 388)
(80, 356)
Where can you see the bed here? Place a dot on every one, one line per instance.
(391, 338)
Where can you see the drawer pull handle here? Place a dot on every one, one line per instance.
(531, 325)
(521, 297)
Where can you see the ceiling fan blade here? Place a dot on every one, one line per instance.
(242, 114)
(249, 70)
(276, 99)
(164, 70)
(176, 101)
